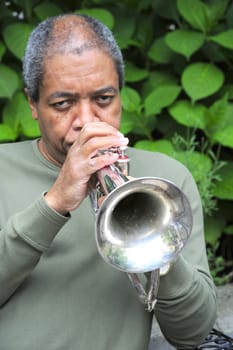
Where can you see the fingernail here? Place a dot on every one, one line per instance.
(120, 134)
(124, 140)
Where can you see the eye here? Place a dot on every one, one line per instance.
(62, 105)
(104, 100)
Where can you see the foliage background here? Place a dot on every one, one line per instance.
(178, 93)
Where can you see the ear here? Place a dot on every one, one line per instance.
(33, 106)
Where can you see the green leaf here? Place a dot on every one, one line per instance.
(144, 31)
(228, 89)
(166, 9)
(127, 122)
(136, 123)
(216, 12)
(157, 78)
(9, 81)
(188, 114)
(6, 133)
(47, 9)
(229, 16)
(24, 3)
(218, 116)
(29, 126)
(162, 146)
(213, 53)
(160, 52)
(160, 98)
(229, 230)
(16, 36)
(130, 99)
(195, 13)
(133, 73)
(17, 115)
(13, 109)
(214, 226)
(198, 163)
(224, 188)
(201, 80)
(101, 14)
(224, 39)
(224, 136)
(185, 42)
(2, 50)
(123, 30)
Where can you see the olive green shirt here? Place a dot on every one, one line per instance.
(57, 293)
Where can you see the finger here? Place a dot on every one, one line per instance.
(93, 146)
(101, 161)
(98, 129)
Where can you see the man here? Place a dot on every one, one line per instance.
(56, 291)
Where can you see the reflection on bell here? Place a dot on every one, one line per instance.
(143, 225)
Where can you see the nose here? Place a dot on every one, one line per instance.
(84, 113)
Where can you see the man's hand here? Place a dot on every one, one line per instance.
(83, 160)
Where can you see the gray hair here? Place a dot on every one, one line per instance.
(57, 35)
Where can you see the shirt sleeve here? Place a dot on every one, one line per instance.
(186, 307)
(25, 237)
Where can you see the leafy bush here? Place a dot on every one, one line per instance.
(179, 84)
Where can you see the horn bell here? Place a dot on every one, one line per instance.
(143, 224)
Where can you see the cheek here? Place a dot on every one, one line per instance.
(117, 119)
(114, 116)
(117, 123)
(51, 130)
(53, 123)
(46, 131)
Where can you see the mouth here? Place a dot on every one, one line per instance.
(66, 146)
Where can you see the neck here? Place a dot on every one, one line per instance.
(46, 154)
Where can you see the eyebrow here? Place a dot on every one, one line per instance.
(65, 94)
(59, 94)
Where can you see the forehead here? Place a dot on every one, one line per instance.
(93, 67)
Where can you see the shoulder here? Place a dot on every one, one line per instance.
(15, 146)
(15, 149)
(147, 163)
(16, 155)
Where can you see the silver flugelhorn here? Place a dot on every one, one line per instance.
(141, 226)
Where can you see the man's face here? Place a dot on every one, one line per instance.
(76, 89)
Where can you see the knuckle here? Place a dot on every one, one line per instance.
(93, 143)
